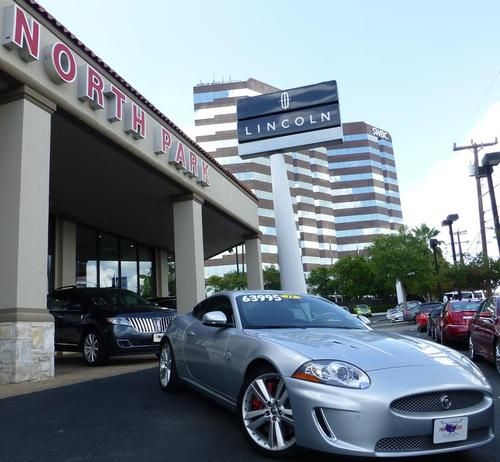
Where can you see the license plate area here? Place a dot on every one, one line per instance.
(450, 430)
(157, 336)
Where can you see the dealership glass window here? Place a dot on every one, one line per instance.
(108, 260)
(86, 257)
(128, 265)
(146, 279)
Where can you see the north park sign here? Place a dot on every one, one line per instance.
(23, 34)
(300, 118)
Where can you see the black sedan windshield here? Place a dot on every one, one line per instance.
(265, 311)
(118, 297)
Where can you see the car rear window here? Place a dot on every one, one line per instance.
(464, 306)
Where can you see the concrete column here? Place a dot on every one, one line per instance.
(189, 257)
(162, 273)
(253, 256)
(65, 257)
(26, 328)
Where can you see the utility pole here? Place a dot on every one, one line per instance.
(476, 148)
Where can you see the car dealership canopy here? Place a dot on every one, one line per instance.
(81, 146)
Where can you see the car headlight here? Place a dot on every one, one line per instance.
(119, 320)
(336, 373)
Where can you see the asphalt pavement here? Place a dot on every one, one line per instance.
(128, 418)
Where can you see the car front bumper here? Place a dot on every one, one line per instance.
(127, 340)
(361, 422)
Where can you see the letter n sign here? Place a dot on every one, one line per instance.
(22, 32)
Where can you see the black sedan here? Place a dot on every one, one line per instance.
(107, 321)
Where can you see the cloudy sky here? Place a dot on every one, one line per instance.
(426, 71)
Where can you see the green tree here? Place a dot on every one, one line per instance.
(404, 256)
(271, 276)
(230, 281)
(322, 281)
(354, 277)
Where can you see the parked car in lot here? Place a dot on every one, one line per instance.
(432, 320)
(484, 339)
(301, 371)
(396, 314)
(362, 309)
(453, 323)
(107, 321)
(423, 313)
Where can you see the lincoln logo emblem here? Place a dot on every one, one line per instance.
(285, 100)
(445, 402)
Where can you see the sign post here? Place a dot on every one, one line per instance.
(277, 123)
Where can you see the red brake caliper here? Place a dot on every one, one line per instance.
(256, 401)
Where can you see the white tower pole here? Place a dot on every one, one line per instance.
(289, 254)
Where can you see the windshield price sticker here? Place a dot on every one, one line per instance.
(261, 298)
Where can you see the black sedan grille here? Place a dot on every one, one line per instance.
(150, 325)
(425, 443)
(438, 401)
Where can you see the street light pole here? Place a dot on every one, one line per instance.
(434, 243)
(489, 161)
(449, 222)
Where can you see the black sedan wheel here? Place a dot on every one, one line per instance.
(169, 381)
(266, 414)
(94, 351)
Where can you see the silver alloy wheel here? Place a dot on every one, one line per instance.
(165, 365)
(91, 347)
(267, 414)
(471, 349)
(497, 356)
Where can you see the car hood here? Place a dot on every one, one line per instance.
(122, 310)
(367, 349)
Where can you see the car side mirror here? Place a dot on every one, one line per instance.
(215, 319)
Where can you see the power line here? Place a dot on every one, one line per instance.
(480, 103)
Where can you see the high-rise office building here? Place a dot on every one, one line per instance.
(343, 197)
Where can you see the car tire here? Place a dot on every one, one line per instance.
(472, 353)
(93, 348)
(169, 380)
(442, 339)
(267, 422)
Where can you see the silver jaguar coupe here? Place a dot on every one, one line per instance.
(301, 371)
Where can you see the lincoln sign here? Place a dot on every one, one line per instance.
(63, 66)
(300, 118)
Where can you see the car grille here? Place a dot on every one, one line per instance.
(424, 442)
(150, 325)
(431, 402)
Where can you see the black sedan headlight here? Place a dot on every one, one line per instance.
(336, 373)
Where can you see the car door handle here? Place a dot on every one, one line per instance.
(191, 333)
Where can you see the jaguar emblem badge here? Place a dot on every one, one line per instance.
(445, 402)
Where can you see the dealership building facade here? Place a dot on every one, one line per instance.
(343, 197)
(97, 188)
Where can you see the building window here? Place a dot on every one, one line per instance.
(106, 260)
(146, 279)
(86, 257)
(109, 274)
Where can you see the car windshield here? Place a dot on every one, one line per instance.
(464, 306)
(118, 298)
(266, 311)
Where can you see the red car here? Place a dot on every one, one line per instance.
(424, 311)
(453, 324)
(484, 337)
